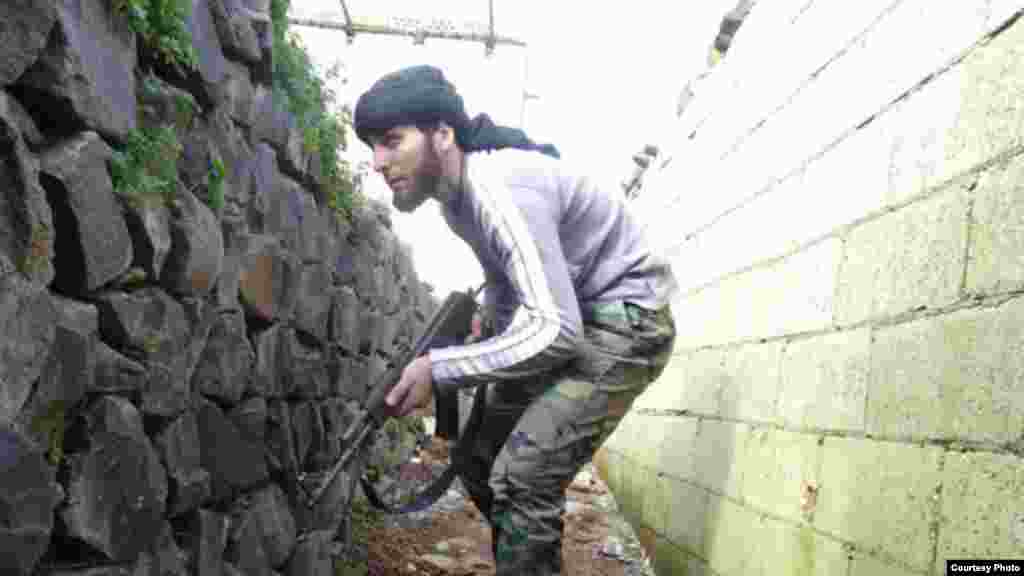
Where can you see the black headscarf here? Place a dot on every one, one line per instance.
(422, 95)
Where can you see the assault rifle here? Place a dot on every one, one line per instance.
(451, 321)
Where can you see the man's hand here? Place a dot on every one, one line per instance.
(414, 390)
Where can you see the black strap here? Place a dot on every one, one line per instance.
(426, 498)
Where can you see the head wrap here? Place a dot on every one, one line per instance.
(422, 95)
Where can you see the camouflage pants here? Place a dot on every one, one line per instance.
(538, 433)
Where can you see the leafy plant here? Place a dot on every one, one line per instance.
(215, 184)
(161, 25)
(146, 170)
(49, 424)
(36, 253)
(309, 98)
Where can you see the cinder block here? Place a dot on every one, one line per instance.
(791, 296)
(952, 376)
(988, 84)
(670, 559)
(982, 507)
(913, 257)
(798, 550)
(879, 67)
(657, 501)
(690, 383)
(734, 537)
(720, 449)
(678, 456)
(750, 390)
(633, 491)
(862, 565)
(776, 468)
(824, 381)
(643, 437)
(995, 263)
(880, 496)
(685, 520)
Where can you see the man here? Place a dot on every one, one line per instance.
(578, 304)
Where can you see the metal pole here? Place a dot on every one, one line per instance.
(391, 30)
(489, 45)
(348, 22)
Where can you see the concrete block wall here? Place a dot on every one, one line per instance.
(844, 207)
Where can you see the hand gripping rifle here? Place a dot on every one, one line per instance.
(451, 321)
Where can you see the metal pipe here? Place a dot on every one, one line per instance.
(391, 30)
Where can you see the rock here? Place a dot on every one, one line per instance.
(280, 439)
(93, 243)
(28, 316)
(440, 562)
(117, 488)
(67, 376)
(313, 302)
(234, 25)
(89, 64)
(251, 419)
(285, 366)
(305, 425)
(209, 535)
(345, 329)
(18, 121)
(239, 94)
(164, 559)
(152, 327)
(290, 218)
(162, 104)
(306, 374)
(206, 80)
(24, 27)
(365, 262)
(100, 571)
(115, 372)
(26, 222)
(179, 448)
(267, 378)
(268, 280)
(201, 315)
(263, 532)
(227, 362)
(312, 556)
(149, 225)
(336, 415)
(265, 176)
(234, 463)
(339, 374)
(28, 496)
(197, 248)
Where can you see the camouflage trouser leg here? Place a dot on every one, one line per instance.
(538, 433)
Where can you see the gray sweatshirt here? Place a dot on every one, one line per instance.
(552, 245)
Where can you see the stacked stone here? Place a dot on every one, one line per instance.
(167, 369)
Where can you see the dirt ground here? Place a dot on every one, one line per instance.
(452, 539)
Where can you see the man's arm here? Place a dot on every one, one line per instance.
(545, 329)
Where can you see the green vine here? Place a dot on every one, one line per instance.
(161, 25)
(146, 170)
(309, 98)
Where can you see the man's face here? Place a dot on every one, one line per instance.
(409, 163)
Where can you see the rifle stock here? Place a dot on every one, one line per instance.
(452, 319)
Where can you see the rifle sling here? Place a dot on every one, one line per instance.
(458, 454)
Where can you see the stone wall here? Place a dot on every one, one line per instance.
(843, 204)
(168, 365)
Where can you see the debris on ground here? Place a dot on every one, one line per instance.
(453, 539)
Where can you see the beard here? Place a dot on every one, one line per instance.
(425, 181)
